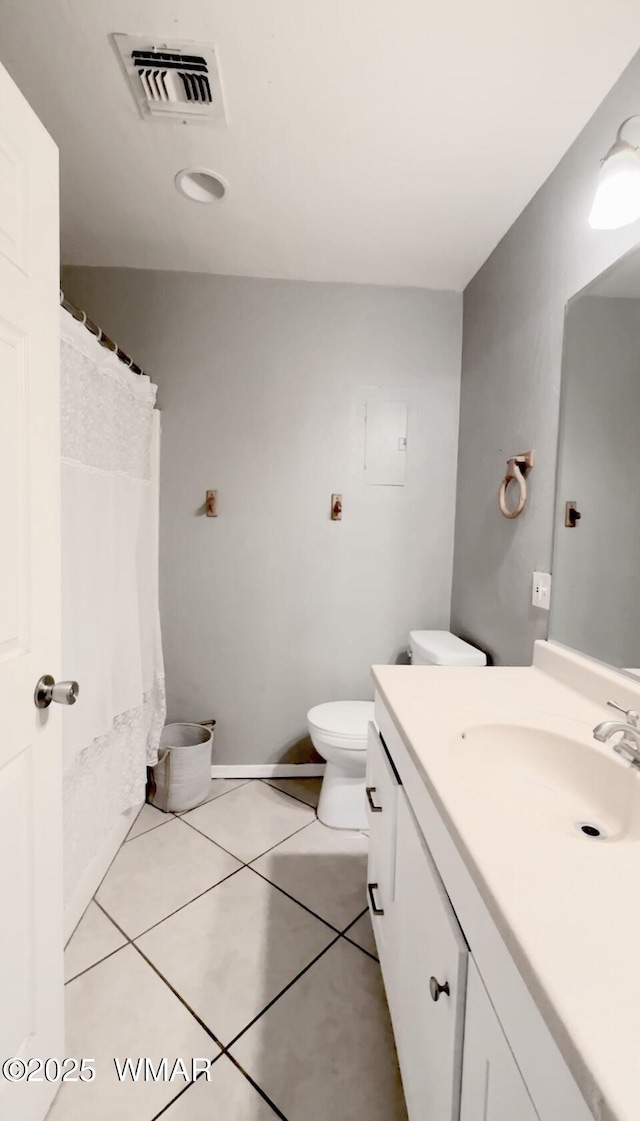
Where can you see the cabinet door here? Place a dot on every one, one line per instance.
(492, 1086)
(382, 791)
(430, 980)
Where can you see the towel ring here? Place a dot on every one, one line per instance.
(517, 466)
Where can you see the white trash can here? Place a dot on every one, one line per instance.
(182, 776)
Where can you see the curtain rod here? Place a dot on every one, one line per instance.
(103, 339)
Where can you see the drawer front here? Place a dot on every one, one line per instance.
(382, 793)
(430, 979)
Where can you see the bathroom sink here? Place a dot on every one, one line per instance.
(548, 779)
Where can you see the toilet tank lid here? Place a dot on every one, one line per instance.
(342, 718)
(446, 649)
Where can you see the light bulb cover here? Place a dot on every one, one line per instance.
(617, 198)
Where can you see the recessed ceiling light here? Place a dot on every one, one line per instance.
(200, 185)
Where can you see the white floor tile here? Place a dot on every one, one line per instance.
(233, 950)
(306, 789)
(221, 786)
(229, 1096)
(325, 1049)
(362, 934)
(158, 872)
(93, 939)
(148, 818)
(121, 1008)
(251, 819)
(326, 869)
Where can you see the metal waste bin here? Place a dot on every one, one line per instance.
(181, 779)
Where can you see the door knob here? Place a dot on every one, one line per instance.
(48, 690)
(435, 988)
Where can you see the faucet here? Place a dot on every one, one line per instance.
(629, 746)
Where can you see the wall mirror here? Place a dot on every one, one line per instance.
(595, 606)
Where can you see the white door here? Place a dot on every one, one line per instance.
(492, 1086)
(31, 987)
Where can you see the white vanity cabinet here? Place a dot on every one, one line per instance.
(492, 1087)
(472, 1043)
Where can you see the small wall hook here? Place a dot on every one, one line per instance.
(336, 507)
(211, 503)
(517, 468)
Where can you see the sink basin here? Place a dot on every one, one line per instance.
(543, 777)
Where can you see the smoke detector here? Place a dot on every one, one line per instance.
(173, 81)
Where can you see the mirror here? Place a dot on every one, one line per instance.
(595, 606)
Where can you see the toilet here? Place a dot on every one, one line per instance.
(339, 729)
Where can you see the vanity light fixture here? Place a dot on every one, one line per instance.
(617, 200)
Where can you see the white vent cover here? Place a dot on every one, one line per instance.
(173, 81)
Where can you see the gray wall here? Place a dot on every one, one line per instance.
(511, 368)
(271, 607)
(598, 563)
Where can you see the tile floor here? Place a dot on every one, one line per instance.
(236, 932)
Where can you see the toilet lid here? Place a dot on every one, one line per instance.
(342, 718)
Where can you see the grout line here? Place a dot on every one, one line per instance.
(98, 962)
(151, 828)
(247, 863)
(207, 837)
(184, 1089)
(214, 797)
(183, 905)
(294, 900)
(282, 992)
(180, 998)
(278, 843)
(256, 1087)
(272, 783)
(354, 921)
(359, 947)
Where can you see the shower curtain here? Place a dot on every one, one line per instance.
(110, 619)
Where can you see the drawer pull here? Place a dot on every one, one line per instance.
(376, 910)
(374, 809)
(435, 988)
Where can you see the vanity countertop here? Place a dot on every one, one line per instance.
(567, 907)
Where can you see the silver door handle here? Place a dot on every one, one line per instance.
(48, 690)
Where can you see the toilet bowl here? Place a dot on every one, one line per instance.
(338, 732)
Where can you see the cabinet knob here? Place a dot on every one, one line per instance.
(435, 988)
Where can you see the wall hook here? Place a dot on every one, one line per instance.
(517, 468)
(336, 507)
(211, 503)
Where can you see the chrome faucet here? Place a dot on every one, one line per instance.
(629, 746)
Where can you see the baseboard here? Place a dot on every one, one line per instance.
(94, 872)
(267, 770)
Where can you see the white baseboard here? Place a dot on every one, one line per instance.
(267, 770)
(95, 871)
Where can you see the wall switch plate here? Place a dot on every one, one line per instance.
(541, 593)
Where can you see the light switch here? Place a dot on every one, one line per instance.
(541, 593)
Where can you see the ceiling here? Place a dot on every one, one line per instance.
(377, 141)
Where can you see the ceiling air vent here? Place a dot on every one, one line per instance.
(173, 81)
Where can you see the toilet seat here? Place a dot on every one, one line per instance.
(342, 723)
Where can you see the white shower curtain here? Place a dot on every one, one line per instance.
(111, 628)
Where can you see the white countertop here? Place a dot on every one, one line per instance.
(567, 907)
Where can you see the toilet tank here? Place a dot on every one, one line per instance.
(441, 648)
